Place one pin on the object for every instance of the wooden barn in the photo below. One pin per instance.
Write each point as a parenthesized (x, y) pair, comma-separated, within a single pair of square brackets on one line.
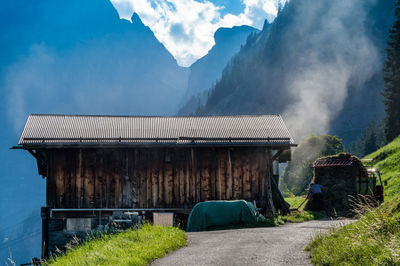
[(98, 165)]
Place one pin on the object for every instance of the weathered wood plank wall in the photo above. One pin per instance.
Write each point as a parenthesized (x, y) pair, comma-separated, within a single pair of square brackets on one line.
[(154, 178)]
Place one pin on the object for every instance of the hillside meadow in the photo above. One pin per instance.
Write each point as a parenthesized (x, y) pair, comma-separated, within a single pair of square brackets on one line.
[(375, 238)]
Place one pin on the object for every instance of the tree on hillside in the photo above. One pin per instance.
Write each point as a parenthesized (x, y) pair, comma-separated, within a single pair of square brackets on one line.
[(371, 138), (391, 77), (298, 172)]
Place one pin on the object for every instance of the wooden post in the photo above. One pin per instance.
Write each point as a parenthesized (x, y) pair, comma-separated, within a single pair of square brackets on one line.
[(79, 182), (229, 181), (192, 179), (237, 175), (127, 182), (45, 213), (270, 202)]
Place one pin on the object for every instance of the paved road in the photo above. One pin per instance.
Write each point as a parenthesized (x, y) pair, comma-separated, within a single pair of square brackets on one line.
[(282, 245)]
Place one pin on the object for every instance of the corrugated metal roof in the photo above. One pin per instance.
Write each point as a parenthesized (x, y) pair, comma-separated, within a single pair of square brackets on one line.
[(332, 162), (85, 129)]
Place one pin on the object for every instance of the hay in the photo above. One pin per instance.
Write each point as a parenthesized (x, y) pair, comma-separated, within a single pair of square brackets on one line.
[(339, 184)]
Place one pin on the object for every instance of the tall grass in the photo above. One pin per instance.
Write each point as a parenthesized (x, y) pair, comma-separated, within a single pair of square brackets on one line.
[(373, 240), (132, 247)]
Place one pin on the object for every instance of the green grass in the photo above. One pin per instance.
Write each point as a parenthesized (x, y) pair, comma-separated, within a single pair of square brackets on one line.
[(132, 247), (300, 215), (375, 238), (387, 161), (295, 202)]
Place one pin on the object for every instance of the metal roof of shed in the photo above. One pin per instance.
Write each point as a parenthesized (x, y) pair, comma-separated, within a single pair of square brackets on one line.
[(155, 130), (333, 162)]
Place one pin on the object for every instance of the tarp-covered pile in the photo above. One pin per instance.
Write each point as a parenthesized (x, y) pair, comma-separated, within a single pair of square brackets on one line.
[(218, 214)]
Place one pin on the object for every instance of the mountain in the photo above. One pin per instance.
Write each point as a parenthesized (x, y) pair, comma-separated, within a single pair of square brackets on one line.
[(205, 72), (70, 57), (318, 64), (78, 52)]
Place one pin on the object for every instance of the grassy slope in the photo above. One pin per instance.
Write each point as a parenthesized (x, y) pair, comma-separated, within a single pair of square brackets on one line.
[(132, 247), (387, 161), (375, 238)]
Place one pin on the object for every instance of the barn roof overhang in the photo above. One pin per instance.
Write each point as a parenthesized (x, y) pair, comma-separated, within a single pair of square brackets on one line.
[(88, 145), (88, 131)]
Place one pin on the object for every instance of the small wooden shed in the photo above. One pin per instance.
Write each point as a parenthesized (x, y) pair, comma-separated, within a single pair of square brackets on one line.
[(96, 165), (343, 177)]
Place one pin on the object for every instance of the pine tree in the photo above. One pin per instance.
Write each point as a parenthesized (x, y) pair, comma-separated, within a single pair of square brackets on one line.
[(391, 91), (370, 143)]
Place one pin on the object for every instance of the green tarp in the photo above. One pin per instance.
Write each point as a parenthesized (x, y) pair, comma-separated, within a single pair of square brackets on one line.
[(216, 214)]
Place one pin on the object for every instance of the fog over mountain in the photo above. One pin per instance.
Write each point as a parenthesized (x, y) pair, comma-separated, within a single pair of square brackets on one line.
[(70, 57), (320, 65), (81, 52)]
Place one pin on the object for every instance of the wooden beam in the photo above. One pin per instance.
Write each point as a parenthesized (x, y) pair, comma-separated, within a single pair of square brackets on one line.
[(276, 155), (41, 162), (269, 183)]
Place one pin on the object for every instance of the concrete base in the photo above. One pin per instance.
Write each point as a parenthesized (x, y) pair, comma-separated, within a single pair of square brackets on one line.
[(79, 224), (163, 218)]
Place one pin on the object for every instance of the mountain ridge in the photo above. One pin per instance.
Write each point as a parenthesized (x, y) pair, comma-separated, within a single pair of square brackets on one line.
[(206, 70), (70, 57), (311, 66)]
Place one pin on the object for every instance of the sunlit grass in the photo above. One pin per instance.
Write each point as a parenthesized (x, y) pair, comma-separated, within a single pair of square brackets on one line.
[(295, 202), (301, 216), (132, 247), (387, 161), (375, 238), (298, 216)]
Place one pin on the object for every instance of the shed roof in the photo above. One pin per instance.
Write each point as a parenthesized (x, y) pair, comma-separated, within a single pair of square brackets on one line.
[(329, 162), (339, 160), (41, 130)]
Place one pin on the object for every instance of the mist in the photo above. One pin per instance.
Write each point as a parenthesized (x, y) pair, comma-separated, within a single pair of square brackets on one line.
[(335, 65), (319, 64), (86, 59), (73, 57), (336, 55)]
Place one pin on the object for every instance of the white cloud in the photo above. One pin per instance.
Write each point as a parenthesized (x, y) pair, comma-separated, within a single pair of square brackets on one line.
[(186, 27)]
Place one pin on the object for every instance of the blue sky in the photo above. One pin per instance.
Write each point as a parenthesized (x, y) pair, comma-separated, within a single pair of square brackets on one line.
[(186, 27)]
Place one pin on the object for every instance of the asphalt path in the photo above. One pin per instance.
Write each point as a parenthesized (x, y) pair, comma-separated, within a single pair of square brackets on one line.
[(283, 245)]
